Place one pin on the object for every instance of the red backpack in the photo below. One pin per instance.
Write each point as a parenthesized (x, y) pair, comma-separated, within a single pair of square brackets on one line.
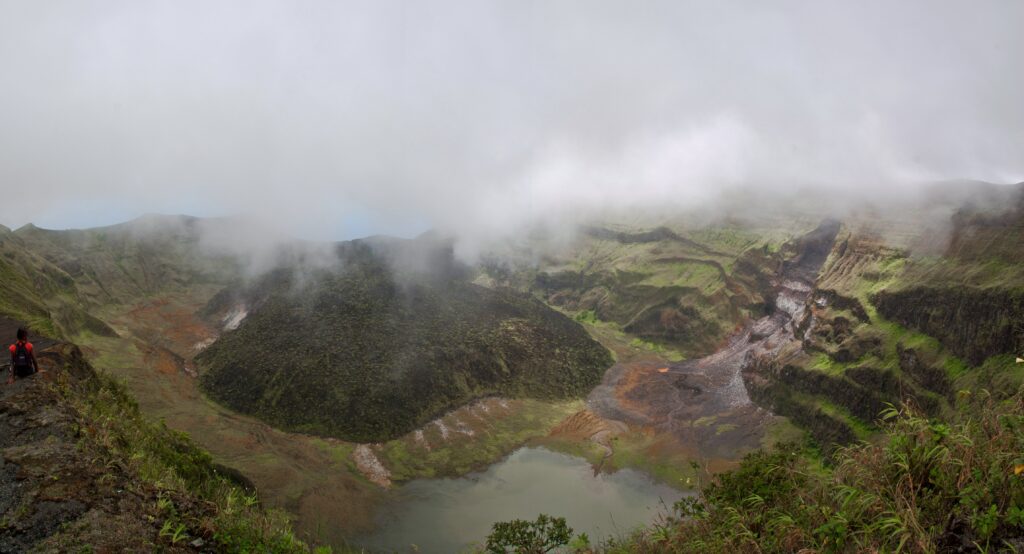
[(22, 360)]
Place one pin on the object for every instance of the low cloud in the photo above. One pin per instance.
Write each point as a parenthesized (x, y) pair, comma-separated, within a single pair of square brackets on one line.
[(338, 119)]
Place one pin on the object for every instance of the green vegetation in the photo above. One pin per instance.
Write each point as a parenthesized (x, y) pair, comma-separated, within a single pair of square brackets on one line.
[(39, 293), (927, 486), (587, 316), (890, 327), (997, 314), (195, 497), (635, 450), (368, 352), (863, 430), (703, 276), (125, 262), (999, 374), (781, 432), (435, 456), (935, 477), (731, 239), (680, 288), (375, 349), (668, 353), (823, 362), (529, 537)]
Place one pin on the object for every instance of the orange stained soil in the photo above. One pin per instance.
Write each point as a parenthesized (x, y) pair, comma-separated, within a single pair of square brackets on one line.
[(170, 324), (304, 475), (162, 360), (637, 377)]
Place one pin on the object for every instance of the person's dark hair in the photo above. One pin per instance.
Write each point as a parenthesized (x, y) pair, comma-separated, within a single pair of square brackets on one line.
[(22, 334)]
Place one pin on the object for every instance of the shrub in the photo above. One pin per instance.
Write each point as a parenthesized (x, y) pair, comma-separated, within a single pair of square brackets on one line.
[(529, 537), (926, 486)]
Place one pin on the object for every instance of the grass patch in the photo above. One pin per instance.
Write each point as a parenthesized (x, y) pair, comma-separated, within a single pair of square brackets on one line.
[(955, 367), (115, 430), (701, 276), (641, 451), (587, 316), (998, 375), (668, 353), (781, 431), (864, 431), (822, 362)]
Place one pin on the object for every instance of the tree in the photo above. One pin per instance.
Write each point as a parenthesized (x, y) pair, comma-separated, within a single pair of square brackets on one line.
[(529, 537)]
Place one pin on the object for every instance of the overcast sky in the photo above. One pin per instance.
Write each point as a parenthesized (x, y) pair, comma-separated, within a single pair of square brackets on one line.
[(347, 118)]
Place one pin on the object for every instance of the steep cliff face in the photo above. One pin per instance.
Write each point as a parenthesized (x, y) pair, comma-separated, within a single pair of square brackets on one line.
[(832, 407), (973, 323), (786, 391), (847, 361), (994, 234), (887, 325), (83, 471), (972, 298)]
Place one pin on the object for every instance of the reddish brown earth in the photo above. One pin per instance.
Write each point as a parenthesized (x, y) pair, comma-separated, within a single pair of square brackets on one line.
[(170, 325), (700, 407), (310, 477)]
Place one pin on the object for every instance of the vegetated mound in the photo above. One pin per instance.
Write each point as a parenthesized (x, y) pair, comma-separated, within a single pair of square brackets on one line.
[(385, 341)]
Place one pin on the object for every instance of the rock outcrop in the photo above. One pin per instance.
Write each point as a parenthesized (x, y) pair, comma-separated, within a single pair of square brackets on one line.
[(973, 323), (59, 492)]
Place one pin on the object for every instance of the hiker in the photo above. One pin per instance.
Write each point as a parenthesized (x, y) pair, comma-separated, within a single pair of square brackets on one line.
[(23, 360)]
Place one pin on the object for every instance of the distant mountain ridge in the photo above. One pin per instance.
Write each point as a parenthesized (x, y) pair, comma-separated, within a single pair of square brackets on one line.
[(381, 334), (385, 319)]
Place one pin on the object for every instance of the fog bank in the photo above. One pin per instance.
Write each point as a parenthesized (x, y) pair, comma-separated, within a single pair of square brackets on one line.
[(340, 119)]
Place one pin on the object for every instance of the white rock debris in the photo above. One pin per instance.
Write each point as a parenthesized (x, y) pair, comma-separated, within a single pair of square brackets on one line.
[(370, 466), (234, 318), (420, 439), (203, 344), (461, 427)]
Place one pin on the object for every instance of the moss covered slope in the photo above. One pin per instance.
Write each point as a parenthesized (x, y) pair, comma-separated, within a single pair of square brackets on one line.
[(688, 287), (372, 348)]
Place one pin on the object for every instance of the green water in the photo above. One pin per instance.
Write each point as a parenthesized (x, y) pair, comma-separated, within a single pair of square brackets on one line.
[(450, 515)]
